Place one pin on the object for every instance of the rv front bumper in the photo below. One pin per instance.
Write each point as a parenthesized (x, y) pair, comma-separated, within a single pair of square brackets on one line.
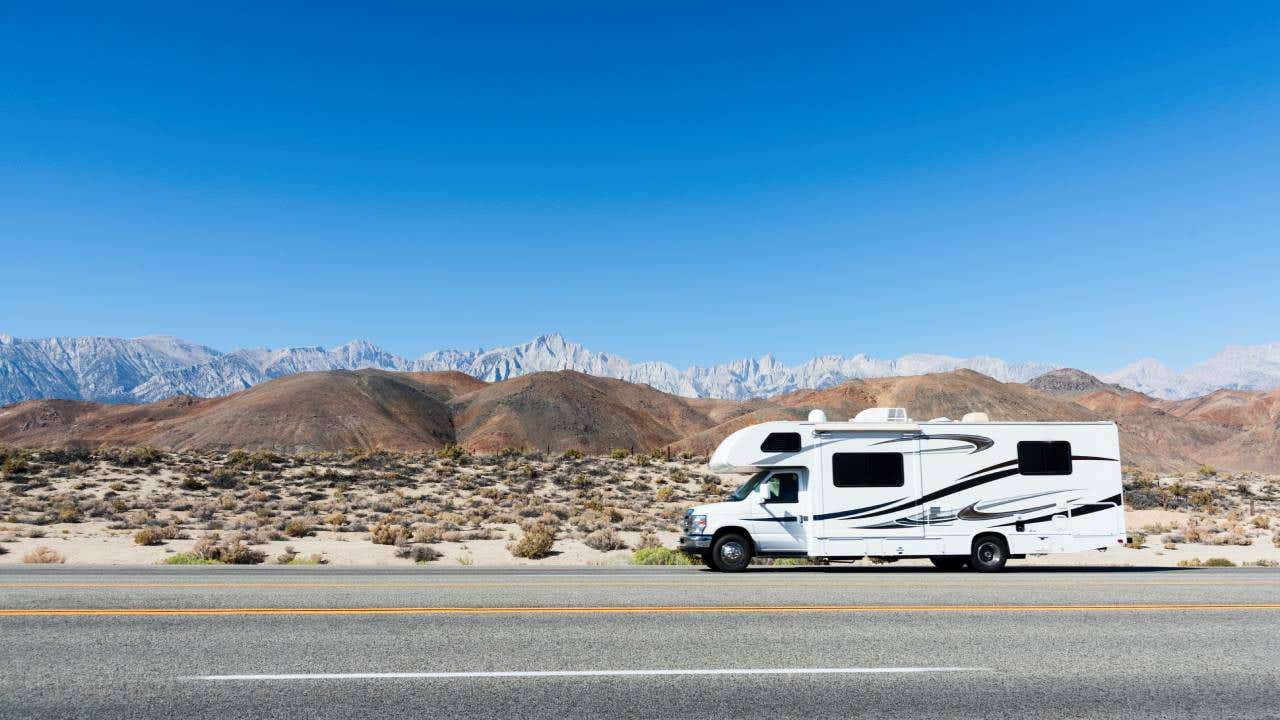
[(694, 544)]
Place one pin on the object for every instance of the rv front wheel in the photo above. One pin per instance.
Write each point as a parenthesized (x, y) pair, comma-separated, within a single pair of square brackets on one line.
[(731, 553), (989, 554)]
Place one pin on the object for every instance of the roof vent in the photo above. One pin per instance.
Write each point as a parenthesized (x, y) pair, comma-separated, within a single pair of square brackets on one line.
[(975, 417), (817, 416), (882, 415)]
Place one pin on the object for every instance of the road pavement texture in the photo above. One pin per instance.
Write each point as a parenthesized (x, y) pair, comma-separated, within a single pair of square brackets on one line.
[(683, 643)]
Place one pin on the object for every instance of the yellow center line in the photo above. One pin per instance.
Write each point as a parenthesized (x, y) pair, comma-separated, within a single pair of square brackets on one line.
[(636, 609)]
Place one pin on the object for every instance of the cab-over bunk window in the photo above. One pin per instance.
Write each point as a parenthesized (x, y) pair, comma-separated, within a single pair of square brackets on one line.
[(1044, 458), (781, 442), (867, 469)]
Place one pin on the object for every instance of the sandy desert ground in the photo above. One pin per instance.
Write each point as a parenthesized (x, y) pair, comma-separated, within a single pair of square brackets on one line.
[(452, 508)]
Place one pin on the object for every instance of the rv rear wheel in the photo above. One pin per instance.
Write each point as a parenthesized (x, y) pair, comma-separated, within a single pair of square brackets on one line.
[(731, 553), (989, 554), (949, 562)]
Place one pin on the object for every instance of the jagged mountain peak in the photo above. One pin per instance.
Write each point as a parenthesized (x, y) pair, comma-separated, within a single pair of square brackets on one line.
[(159, 366)]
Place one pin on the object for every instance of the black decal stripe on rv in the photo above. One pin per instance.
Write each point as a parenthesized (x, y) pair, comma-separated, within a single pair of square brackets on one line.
[(860, 513), (997, 466), (770, 519), (968, 512), (855, 511), (1107, 504), (978, 442), (949, 490)]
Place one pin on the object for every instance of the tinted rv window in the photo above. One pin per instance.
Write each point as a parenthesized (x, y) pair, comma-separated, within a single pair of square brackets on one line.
[(781, 442), (1044, 458), (873, 469)]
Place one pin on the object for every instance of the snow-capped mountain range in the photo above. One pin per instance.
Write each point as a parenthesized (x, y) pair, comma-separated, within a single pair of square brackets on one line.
[(1237, 367), (152, 368)]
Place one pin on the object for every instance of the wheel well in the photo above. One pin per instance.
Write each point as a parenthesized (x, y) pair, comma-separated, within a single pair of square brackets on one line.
[(998, 536), (737, 531)]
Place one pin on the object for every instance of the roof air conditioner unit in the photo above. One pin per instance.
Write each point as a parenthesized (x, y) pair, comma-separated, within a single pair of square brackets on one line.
[(882, 415)]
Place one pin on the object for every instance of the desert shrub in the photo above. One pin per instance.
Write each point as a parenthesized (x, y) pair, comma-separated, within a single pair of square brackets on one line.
[(148, 536), (664, 494), (15, 464), (456, 453), (573, 454), (1206, 471), (1235, 536), (605, 540), (1275, 538), (67, 513), (1264, 562), (1192, 532), (224, 478), (187, 558), (232, 552), (260, 460), (659, 556), (649, 540), (297, 528), (336, 519), (793, 562), (385, 533), (1136, 541), (134, 457), (535, 543), (67, 455), (1262, 522), (44, 555), (1200, 499), (418, 553), (1211, 562), (191, 483), (290, 556), (620, 454), (427, 534)]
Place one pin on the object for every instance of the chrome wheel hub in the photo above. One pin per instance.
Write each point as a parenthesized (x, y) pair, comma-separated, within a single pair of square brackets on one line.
[(731, 552)]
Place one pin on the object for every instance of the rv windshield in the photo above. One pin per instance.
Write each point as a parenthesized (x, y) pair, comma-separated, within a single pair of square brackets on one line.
[(741, 493)]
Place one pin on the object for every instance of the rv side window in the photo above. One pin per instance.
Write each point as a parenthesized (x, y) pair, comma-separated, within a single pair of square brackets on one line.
[(1044, 458), (872, 469), (781, 442)]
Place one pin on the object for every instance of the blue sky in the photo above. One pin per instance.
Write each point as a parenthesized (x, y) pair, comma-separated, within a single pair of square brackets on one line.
[(1073, 185)]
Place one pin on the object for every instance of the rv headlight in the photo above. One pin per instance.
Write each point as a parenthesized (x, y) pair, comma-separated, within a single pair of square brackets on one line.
[(697, 524)]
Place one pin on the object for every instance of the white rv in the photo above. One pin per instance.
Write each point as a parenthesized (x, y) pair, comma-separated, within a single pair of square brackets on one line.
[(969, 493)]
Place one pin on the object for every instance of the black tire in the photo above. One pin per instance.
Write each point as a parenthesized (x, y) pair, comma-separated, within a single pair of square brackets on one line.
[(706, 560), (989, 554), (949, 562), (731, 553)]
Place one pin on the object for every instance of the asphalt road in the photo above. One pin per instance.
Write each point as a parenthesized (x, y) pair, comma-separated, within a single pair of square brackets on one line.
[(637, 643)]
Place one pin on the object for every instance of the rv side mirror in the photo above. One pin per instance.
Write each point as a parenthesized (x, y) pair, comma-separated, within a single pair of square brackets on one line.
[(767, 490)]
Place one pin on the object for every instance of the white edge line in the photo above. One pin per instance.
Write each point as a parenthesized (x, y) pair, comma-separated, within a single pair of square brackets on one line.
[(580, 673)]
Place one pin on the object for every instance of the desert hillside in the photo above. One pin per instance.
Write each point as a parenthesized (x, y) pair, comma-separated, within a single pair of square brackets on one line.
[(567, 410)]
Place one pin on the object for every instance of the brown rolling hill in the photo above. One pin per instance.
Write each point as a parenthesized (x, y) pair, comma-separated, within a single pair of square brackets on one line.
[(566, 409), (557, 411)]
